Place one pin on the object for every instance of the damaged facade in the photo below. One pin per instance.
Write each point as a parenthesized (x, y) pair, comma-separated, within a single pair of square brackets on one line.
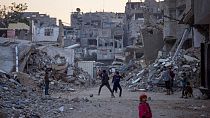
[(142, 25), (99, 33), (186, 39), (174, 32), (43, 27), (201, 21), (134, 20)]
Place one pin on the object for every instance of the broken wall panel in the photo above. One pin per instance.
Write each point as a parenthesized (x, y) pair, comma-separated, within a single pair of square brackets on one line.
[(208, 65), (7, 54)]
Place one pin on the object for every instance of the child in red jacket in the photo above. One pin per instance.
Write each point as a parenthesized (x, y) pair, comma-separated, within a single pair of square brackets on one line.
[(144, 108)]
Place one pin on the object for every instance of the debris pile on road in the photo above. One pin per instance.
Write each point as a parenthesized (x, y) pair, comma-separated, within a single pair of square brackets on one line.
[(187, 61), (22, 93), (40, 60), (81, 77), (20, 100)]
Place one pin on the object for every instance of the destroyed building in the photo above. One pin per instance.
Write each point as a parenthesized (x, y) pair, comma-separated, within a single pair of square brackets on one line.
[(39, 27), (173, 30), (134, 19), (190, 47), (200, 11), (98, 31), (142, 26), (43, 27)]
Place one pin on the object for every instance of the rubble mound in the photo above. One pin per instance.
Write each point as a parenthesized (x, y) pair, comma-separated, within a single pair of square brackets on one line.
[(149, 78)]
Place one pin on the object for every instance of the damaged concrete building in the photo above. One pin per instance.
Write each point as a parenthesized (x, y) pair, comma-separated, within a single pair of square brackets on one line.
[(99, 33), (141, 28), (201, 13), (173, 30), (37, 27), (43, 27), (186, 25), (134, 20)]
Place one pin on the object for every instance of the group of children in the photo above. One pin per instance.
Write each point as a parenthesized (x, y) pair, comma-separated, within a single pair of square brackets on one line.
[(144, 108), (105, 82)]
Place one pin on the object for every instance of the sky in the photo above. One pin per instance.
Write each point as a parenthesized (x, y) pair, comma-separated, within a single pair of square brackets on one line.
[(61, 9)]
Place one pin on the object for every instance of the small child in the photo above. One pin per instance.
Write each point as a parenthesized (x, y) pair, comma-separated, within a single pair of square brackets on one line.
[(144, 108)]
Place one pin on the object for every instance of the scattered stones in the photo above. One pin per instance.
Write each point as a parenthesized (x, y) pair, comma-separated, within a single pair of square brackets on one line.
[(76, 99), (61, 109), (148, 79), (91, 95)]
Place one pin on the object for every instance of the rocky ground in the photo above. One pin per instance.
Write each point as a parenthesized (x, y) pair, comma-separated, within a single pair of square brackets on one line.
[(103, 106), (17, 101)]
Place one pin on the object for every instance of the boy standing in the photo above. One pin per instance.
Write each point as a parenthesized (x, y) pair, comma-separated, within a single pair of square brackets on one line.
[(105, 81), (116, 81)]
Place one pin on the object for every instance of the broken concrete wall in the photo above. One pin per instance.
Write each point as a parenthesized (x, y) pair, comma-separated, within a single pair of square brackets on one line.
[(153, 42), (88, 66), (7, 60), (7, 55), (53, 51)]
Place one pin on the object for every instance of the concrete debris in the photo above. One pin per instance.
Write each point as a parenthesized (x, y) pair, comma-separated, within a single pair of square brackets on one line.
[(71, 108), (61, 109), (197, 107), (76, 99), (189, 58), (21, 93), (205, 116), (91, 95), (18, 101), (149, 77), (43, 58), (7, 55)]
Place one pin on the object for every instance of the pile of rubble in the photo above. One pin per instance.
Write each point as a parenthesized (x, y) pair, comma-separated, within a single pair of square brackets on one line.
[(81, 77), (23, 95), (187, 61), (20, 101), (40, 60)]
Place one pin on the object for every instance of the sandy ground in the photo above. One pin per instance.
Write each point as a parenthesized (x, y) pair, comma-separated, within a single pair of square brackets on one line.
[(103, 106)]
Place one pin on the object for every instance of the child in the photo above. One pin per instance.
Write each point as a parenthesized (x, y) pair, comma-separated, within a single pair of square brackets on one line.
[(184, 83), (144, 108), (116, 81)]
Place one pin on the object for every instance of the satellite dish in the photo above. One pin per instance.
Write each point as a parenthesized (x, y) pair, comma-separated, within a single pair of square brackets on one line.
[(78, 10)]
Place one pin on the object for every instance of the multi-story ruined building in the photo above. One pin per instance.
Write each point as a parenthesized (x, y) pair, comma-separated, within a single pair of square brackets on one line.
[(40, 19), (43, 27), (142, 35), (197, 15), (99, 32), (135, 18), (173, 30)]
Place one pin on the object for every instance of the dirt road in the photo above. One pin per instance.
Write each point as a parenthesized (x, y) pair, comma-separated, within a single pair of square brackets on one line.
[(103, 106)]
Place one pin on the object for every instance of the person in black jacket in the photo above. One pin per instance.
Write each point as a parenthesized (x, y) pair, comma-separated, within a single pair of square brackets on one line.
[(172, 79), (47, 82), (116, 81), (105, 81)]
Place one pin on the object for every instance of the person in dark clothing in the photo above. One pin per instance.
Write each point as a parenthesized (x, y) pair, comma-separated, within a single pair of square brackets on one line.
[(105, 81), (184, 83), (166, 77), (116, 81), (47, 82), (172, 79)]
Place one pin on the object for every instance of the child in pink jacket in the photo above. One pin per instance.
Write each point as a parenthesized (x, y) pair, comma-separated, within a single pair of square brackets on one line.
[(144, 108)]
